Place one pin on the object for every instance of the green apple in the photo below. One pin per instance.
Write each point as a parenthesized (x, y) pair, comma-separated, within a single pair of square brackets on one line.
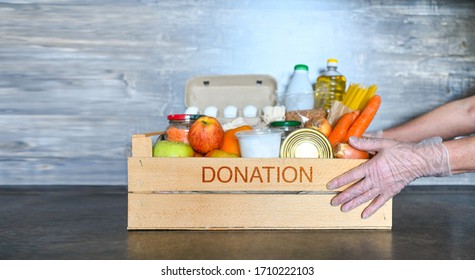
[(167, 148)]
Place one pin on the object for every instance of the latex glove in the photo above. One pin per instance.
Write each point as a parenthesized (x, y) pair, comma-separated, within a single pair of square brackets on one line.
[(373, 134), (394, 166)]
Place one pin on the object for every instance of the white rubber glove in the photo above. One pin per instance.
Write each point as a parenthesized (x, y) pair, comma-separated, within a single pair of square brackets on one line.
[(373, 134), (394, 166)]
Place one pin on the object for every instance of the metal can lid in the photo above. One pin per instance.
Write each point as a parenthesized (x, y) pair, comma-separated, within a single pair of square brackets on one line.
[(306, 143), (285, 123), (183, 117)]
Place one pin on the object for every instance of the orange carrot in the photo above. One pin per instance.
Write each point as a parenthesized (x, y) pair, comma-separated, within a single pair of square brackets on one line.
[(340, 130), (177, 134), (364, 119)]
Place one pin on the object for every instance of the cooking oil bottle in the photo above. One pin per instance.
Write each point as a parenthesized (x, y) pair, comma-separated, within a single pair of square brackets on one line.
[(330, 86)]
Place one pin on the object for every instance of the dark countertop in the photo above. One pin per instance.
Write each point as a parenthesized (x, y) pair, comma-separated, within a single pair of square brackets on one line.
[(89, 222)]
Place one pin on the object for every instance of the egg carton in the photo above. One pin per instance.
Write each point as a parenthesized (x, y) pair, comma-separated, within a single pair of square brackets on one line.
[(228, 97)]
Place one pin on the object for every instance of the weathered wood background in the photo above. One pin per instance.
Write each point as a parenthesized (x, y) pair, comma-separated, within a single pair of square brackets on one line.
[(78, 78)]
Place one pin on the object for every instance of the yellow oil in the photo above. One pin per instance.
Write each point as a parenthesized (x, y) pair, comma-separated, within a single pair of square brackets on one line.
[(328, 89)]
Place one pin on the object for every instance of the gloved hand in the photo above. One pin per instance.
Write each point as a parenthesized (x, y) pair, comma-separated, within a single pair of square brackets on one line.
[(373, 134), (394, 166)]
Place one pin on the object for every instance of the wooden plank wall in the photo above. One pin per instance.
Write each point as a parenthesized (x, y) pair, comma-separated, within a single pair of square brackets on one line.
[(78, 78)]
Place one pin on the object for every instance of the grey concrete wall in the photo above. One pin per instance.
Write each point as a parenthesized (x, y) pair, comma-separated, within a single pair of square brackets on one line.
[(78, 78)]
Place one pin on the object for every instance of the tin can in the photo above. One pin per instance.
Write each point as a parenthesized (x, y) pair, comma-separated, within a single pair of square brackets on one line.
[(306, 143)]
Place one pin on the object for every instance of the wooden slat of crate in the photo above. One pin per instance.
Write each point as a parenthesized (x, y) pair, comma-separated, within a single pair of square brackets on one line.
[(247, 211), (233, 174)]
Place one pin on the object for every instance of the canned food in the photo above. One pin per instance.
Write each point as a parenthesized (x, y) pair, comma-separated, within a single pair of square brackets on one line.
[(306, 143)]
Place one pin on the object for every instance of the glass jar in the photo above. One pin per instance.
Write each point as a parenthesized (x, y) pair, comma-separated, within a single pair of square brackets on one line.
[(178, 127), (287, 127)]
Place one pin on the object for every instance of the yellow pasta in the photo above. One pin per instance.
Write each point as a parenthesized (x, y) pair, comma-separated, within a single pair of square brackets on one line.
[(357, 96)]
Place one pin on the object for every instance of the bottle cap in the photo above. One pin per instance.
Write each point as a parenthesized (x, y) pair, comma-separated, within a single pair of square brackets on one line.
[(332, 62), (301, 67)]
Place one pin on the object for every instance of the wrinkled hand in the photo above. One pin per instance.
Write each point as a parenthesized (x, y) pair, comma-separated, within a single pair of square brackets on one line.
[(394, 166)]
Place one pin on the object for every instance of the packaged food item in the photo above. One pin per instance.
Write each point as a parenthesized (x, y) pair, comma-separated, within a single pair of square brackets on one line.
[(305, 115), (287, 127), (306, 143), (357, 96), (299, 93), (330, 86), (259, 143), (178, 126)]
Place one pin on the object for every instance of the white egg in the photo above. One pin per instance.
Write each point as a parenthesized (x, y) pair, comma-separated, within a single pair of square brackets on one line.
[(211, 111), (192, 110), (230, 112), (250, 111)]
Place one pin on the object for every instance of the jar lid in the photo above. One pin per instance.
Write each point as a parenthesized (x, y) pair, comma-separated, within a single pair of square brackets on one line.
[(301, 67), (285, 123), (183, 117), (259, 133)]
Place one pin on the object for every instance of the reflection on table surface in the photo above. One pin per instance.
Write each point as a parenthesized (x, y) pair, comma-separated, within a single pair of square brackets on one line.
[(74, 222)]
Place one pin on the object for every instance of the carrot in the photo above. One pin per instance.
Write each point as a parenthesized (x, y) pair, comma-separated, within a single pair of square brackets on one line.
[(364, 119), (340, 130), (177, 134)]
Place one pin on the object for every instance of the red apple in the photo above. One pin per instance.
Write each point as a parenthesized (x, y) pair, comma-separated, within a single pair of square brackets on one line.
[(205, 134)]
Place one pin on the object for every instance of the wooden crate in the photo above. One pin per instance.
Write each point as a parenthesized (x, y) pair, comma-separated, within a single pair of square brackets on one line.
[(237, 193)]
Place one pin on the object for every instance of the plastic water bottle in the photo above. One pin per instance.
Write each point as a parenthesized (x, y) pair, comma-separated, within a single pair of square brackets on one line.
[(299, 94), (330, 86)]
